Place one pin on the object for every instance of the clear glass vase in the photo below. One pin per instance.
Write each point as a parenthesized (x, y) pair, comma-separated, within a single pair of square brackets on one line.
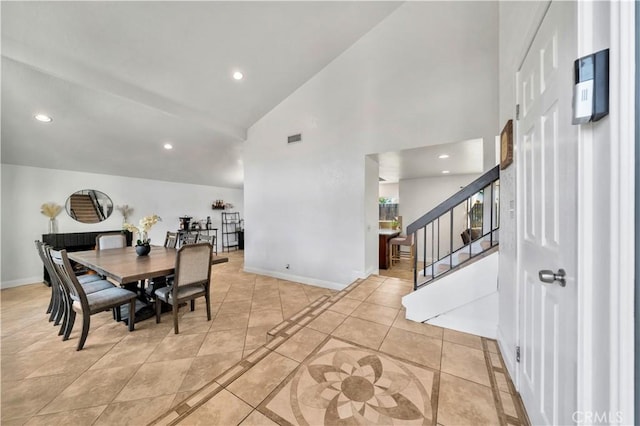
[(53, 226)]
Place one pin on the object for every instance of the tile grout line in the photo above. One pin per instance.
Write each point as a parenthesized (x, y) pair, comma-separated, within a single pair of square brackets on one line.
[(309, 312), (70, 384), (244, 368), (318, 308), (495, 391), (523, 417)]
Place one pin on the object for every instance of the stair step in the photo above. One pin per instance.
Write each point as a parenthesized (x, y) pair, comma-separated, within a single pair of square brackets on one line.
[(424, 280), (443, 268), (83, 209), (485, 244)]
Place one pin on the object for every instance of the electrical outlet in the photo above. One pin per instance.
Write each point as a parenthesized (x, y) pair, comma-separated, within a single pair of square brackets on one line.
[(287, 266)]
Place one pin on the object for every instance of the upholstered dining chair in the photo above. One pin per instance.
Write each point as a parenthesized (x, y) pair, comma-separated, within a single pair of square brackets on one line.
[(92, 303), (204, 238), (110, 241), (192, 280), (189, 238), (171, 240), (211, 239)]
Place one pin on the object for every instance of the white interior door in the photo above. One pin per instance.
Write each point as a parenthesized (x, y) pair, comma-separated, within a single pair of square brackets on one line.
[(547, 184)]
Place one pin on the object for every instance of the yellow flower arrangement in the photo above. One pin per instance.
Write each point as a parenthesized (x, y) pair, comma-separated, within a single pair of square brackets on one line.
[(145, 225)]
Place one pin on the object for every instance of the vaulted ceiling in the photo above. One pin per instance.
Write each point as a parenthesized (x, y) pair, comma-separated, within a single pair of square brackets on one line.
[(121, 79)]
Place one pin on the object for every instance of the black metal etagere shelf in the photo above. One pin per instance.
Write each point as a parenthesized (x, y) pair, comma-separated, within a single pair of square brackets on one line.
[(230, 230)]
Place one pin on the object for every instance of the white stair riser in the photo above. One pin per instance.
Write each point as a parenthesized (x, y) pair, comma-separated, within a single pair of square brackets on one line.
[(479, 317), (470, 283)]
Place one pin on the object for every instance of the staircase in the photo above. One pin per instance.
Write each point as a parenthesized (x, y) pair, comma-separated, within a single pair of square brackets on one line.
[(84, 208), (460, 228), (456, 266)]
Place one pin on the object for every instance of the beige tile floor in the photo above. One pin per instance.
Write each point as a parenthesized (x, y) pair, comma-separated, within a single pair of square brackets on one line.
[(347, 355)]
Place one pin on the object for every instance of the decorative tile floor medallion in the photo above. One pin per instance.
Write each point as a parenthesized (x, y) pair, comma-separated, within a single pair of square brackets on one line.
[(341, 383)]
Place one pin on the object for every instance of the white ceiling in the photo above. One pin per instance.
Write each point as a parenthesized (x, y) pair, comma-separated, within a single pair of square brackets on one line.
[(465, 157), (122, 78)]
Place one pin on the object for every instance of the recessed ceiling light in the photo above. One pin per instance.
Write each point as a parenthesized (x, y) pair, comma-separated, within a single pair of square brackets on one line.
[(443, 156), (43, 117), (445, 172), (168, 146), (238, 75)]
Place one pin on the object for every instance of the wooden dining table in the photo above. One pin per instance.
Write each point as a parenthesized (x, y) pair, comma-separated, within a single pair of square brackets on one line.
[(124, 266), (128, 269)]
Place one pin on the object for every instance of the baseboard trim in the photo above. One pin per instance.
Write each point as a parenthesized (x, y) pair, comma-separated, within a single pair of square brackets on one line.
[(371, 271), (508, 355), (20, 282), (296, 278)]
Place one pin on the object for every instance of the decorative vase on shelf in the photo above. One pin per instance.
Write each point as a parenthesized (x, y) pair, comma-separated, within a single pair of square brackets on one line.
[(143, 250), (53, 226)]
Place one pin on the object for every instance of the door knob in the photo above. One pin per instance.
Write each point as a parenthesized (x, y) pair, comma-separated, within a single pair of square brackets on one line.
[(549, 277)]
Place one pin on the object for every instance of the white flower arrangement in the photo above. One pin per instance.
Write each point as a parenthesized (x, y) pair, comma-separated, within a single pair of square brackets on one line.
[(50, 210), (145, 225)]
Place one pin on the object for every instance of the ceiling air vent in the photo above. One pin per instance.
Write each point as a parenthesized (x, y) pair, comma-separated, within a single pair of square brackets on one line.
[(294, 138)]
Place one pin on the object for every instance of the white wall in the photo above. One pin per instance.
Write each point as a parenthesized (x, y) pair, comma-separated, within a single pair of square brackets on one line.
[(425, 75), (389, 190), (25, 189), (421, 195), (372, 215)]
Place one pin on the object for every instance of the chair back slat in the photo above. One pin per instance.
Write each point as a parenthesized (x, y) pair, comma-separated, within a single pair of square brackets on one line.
[(43, 251), (193, 264), (67, 277)]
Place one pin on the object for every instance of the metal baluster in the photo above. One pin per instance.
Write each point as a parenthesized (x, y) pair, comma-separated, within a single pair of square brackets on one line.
[(438, 248), (451, 238), (484, 192), (491, 222), (469, 228), (415, 260), (498, 210), (433, 250)]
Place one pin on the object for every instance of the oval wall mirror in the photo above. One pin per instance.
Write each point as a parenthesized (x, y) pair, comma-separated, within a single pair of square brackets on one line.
[(89, 206)]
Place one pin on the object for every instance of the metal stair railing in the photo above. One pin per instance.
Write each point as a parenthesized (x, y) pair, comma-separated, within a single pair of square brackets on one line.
[(464, 211), (96, 205)]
